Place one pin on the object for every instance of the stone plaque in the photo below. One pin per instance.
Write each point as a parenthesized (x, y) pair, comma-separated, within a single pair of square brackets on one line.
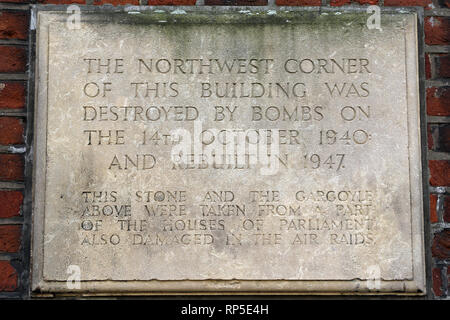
[(227, 151)]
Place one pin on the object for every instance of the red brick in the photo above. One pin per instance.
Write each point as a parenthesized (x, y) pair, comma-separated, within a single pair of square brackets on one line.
[(116, 2), (62, 1), (437, 282), (439, 172), (13, 59), (372, 2), (10, 203), (443, 138), (430, 138), (427, 66), (439, 137), (12, 95), (13, 25), (446, 214), (172, 2), (236, 2), (438, 101), (433, 212), (437, 30), (11, 167), (442, 64), (448, 274), (8, 277), (298, 2), (407, 3), (441, 245), (337, 3), (445, 208), (11, 130), (9, 238)]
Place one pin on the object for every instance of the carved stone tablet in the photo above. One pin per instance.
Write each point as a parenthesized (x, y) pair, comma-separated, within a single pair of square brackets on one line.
[(226, 151)]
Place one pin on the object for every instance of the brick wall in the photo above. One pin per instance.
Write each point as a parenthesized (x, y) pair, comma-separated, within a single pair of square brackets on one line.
[(14, 255), (16, 120)]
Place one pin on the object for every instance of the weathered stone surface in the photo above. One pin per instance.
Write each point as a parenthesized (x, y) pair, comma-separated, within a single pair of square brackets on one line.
[(339, 205)]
